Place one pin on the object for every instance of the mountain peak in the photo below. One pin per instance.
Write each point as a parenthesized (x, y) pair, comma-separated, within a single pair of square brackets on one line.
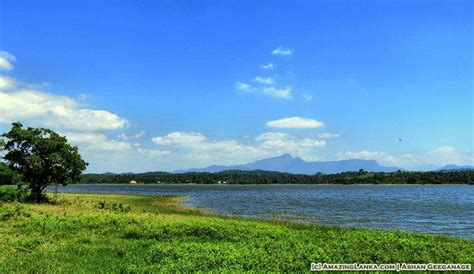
[(285, 156), (296, 165), (455, 168)]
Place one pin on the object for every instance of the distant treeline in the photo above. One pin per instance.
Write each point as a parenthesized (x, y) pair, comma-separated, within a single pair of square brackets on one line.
[(270, 177)]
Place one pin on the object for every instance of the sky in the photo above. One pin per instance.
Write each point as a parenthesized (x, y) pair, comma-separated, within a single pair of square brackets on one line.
[(165, 85)]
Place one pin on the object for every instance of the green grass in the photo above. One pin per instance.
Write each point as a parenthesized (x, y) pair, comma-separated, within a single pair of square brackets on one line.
[(112, 233)]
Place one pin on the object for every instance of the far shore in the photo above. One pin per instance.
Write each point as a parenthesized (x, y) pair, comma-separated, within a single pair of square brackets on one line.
[(214, 184)]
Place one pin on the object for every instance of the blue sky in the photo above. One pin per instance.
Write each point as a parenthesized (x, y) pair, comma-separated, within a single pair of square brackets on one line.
[(139, 85)]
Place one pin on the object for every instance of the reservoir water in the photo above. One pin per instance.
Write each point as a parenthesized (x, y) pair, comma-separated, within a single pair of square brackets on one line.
[(440, 209)]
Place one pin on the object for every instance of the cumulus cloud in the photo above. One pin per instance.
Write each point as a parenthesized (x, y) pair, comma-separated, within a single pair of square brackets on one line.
[(138, 135), (272, 140), (123, 136), (7, 83), (267, 66), (180, 139), (47, 109), (282, 51), (295, 122), (96, 141), (153, 153), (328, 135), (283, 93), (436, 157), (449, 155), (197, 141), (85, 127), (197, 147), (263, 80), (307, 97), (6, 60), (244, 87), (368, 155), (55, 111)]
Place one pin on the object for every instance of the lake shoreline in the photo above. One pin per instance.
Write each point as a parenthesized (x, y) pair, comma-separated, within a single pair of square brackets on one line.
[(139, 233), (215, 184), (438, 209)]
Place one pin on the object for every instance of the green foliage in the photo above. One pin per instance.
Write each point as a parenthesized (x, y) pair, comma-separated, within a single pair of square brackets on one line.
[(42, 157), (8, 176), (157, 236), (8, 194), (116, 207), (271, 177)]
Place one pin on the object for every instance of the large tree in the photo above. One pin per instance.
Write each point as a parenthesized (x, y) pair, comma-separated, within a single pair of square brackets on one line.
[(42, 157), (8, 176)]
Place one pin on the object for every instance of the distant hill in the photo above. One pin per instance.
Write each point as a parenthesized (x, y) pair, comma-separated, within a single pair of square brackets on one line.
[(296, 165), (455, 168)]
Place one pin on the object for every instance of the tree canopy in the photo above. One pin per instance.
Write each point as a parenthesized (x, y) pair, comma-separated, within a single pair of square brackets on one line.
[(42, 157), (8, 176), (271, 177)]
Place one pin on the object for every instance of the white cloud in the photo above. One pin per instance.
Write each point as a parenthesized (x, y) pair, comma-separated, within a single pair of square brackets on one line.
[(197, 147), (50, 110), (295, 122), (123, 136), (282, 51), (278, 143), (448, 155), (272, 140), (328, 135), (443, 151), (244, 87), (55, 111), (193, 146), (6, 60), (153, 153), (263, 80), (436, 157), (267, 66), (284, 93), (307, 97), (368, 155), (85, 127), (7, 83), (138, 135), (197, 141), (180, 139), (96, 141)]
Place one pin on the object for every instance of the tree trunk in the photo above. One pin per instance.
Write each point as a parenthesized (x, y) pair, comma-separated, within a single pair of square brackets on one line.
[(37, 193), (38, 196)]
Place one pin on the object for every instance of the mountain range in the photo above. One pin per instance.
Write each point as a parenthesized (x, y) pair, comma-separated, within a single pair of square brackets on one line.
[(455, 168), (296, 165)]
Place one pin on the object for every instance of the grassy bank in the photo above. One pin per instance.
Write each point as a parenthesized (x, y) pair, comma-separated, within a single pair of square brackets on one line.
[(88, 232)]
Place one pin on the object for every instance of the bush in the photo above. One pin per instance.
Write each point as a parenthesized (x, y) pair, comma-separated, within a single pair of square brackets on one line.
[(115, 207), (8, 194)]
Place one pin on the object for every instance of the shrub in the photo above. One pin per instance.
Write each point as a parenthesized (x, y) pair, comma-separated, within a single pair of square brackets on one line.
[(115, 207), (8, 194)]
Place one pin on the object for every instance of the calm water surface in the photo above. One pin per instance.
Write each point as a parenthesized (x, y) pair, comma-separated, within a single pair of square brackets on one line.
[(442, 209)]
